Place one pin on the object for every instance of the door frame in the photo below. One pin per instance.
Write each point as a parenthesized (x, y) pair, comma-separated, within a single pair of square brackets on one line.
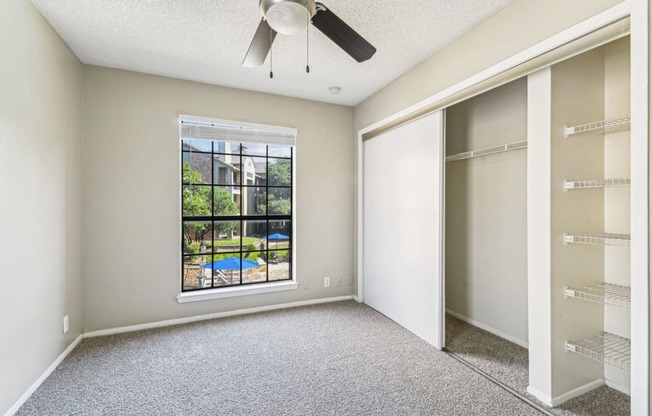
[(638, 11)]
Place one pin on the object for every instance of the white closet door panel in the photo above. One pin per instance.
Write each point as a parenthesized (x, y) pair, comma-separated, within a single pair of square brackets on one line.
[(403, 226)]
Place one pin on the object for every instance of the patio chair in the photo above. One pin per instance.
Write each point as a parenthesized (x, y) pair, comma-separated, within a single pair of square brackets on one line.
[(220, 275)]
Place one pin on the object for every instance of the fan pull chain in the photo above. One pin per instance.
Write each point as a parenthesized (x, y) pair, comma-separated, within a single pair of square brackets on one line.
[(308, 43), (271, 54)]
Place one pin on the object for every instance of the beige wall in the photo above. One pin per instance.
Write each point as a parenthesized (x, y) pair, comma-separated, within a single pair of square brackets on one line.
[(131, 193), (40, 207)]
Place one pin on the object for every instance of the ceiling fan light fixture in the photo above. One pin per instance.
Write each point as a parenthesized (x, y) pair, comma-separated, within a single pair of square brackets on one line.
[(295, 16), (287, 17)]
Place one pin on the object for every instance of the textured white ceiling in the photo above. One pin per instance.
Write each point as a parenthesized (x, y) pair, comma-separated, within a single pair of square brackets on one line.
[(206, 40)]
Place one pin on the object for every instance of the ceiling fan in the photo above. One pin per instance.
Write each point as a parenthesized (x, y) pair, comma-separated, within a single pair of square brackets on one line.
[(290, 17)]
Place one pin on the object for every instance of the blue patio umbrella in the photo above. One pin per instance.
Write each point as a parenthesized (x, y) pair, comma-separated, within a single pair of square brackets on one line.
[(277, 237), (230, 263)]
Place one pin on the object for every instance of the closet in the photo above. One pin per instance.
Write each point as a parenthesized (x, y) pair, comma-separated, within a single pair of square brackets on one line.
[(537, 222), (486, 222), (538, 246)]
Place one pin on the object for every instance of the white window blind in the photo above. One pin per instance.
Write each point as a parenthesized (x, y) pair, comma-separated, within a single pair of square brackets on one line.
[(200, 128)]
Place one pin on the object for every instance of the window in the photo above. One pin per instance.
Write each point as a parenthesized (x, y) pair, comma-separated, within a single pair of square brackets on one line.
[(236, 204)]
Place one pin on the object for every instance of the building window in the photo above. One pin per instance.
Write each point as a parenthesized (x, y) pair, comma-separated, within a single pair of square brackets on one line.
[(236, 204)]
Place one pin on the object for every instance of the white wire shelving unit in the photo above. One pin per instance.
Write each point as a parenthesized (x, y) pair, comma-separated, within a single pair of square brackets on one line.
[(603, 126), (606, 348), (522, 144), (604, 293), (596, 183), (604, 239)]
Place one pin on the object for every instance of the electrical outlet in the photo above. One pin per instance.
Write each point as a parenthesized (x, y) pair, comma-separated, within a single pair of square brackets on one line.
[(306, 284), (338, 281), (66, 324), (327, 281)]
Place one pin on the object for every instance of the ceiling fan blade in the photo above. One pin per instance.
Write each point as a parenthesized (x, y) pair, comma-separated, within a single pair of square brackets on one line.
[(342, 34), (260, 45)]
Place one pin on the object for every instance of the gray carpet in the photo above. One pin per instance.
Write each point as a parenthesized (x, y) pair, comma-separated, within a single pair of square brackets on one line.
[(508, 363), (334, 359)]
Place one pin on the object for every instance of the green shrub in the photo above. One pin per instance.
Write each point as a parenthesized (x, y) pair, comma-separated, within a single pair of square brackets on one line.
[(193, 247)]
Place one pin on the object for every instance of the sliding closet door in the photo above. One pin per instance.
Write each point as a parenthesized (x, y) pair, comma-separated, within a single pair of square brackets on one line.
[(402, 246)]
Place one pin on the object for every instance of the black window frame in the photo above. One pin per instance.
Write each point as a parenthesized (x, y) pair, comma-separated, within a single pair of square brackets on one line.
[(241, 218)]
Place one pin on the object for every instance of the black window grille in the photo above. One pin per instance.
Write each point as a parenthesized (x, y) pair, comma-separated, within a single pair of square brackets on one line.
[(236, 213)]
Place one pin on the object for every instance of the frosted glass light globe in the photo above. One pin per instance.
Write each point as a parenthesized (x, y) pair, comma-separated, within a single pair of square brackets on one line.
[(287, 18)]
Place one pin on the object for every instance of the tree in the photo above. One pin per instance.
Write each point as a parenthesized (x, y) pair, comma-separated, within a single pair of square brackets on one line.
[(278, 206), (278, 199), (280, 173), (196, 199), (196, 202), (279, 202), (191, 175), (223, 205)]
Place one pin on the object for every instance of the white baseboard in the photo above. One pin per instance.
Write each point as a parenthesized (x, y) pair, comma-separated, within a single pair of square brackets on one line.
[(13, 409), (556, 401), (543, 398), (623, 388), (357, 299), (489, 329), (169, 322)]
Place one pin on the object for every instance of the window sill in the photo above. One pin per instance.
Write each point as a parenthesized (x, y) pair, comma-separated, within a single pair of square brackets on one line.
[(231, 292)]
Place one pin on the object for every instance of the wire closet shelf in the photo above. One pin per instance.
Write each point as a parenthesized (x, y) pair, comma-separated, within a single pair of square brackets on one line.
[(604, 293), (612, 240), (600, 127), (522, 144), (606, 348), (596, 183)]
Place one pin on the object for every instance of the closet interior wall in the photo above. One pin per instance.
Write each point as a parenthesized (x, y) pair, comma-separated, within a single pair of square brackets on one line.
[(486, 224)]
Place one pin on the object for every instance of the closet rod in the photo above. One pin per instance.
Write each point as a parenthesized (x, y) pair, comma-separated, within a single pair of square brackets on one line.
[(488, 151)]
